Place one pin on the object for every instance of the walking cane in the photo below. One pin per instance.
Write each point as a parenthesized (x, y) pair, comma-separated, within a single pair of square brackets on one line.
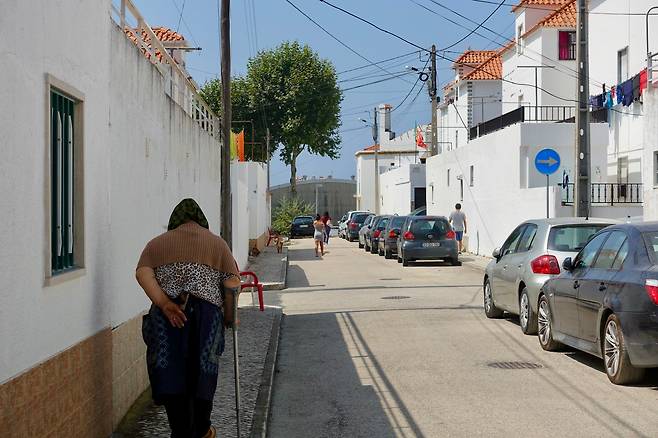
[(236, 367)]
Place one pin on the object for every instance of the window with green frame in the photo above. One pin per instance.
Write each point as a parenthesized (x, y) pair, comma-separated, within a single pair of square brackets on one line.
[(61, 181)]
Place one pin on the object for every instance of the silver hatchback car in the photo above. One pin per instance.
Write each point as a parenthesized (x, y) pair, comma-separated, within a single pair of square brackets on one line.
[(532, 254)]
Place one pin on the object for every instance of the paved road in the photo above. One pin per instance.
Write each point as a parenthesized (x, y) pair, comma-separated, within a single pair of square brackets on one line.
[(356, 362)]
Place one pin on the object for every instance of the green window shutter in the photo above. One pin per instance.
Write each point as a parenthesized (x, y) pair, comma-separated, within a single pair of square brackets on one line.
[(62, 182)]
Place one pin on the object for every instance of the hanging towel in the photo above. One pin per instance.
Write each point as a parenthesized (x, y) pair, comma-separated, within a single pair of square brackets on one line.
[(643, 80), (627, 91), (608, 100), (613, 91), (636, 87), (620, 93)]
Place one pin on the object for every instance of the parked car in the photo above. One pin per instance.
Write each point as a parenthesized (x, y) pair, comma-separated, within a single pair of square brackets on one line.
[(427, 238), (365, 229), (388, 243), (302, 226), (420, 211), (376, 231), (355, 224), (531, 255), (605, 302), (342, 225)]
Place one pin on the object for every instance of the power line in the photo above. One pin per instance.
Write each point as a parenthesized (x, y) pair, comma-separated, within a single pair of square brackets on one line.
[(180, 17), (378, 62), (337, 39), (374, 25), (478, 26), (412, 88), (374, 82), (185, 22)]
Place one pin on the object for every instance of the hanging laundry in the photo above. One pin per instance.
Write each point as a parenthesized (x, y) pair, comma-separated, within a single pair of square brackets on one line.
[(608, 100), (636, 87), (643, 80), (620, 93), (613, 90), (627, 91)]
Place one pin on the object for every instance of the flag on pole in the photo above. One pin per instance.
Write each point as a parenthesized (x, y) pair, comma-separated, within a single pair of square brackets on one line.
[(420, 140), (240, 145), (234, 146)]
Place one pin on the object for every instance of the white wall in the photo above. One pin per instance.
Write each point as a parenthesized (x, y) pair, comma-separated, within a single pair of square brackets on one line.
[(397, 188), (506, 188), (259, 208), (142, 154), (649, 158), (240, 212)]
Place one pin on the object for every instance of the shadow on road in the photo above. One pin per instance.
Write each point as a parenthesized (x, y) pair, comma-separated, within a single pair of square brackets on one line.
[(330, 384)]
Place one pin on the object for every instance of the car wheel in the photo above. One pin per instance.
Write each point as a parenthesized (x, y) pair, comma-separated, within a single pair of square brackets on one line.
[(454, 261), (373, 250), (544, 326), (380, 252), (490, 308), (527, 318), (618, 365), (387, 254)]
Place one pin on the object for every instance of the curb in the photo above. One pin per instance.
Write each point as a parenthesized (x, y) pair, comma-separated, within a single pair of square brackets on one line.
[(283, 276), (263, 401)]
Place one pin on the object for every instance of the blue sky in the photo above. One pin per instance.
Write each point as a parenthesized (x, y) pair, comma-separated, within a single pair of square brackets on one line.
[(276, 21)]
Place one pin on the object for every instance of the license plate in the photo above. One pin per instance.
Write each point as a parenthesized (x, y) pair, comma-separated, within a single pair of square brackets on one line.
[(431, 244), (303, 226)]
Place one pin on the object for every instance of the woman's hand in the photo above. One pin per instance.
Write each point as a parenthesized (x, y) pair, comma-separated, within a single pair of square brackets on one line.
[(174, 313)]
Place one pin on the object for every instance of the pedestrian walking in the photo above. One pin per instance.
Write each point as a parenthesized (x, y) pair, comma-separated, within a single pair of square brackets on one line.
[(326, 220), (318, 235), (191, 277), (458, 222)]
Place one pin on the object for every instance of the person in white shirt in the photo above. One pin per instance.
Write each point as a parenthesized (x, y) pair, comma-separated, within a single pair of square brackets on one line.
[(458, 222)]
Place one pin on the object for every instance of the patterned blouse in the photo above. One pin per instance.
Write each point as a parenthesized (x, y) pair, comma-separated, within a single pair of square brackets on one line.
[(199, 280)]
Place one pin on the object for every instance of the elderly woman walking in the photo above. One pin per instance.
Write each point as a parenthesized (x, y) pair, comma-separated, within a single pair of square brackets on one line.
[(190, 276)]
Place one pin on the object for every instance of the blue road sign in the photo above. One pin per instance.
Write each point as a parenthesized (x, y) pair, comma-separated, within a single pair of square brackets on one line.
[(547, 161)]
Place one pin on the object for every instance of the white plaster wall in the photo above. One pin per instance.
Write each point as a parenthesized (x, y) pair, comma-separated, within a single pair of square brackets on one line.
[(240, 212), (506, 188), (490, 106), (38, 322), (397, 188), (650, 149), (259, 214)]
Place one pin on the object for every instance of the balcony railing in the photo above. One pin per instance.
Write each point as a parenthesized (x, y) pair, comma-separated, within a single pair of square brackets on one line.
[(500, 122), (548, 113), (606, 193)]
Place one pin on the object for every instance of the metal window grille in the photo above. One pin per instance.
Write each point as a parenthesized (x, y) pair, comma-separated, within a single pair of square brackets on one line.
[(61, 128)]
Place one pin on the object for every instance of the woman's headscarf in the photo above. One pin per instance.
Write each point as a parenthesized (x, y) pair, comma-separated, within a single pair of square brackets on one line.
[(187, 210)]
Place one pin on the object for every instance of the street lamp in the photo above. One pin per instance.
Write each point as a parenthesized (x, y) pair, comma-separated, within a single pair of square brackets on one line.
[(317, 186)]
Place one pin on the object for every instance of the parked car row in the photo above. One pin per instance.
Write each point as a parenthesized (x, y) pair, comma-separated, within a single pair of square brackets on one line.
[(407, 238), (590, 284)]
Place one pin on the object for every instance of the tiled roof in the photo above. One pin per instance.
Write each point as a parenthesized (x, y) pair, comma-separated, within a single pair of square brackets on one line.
[(548, 4), (162, 33), (374, 147), (491, 69), (474, 57), (563, 17)]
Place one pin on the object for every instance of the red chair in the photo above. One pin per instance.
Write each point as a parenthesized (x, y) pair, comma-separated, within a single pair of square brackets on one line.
[(271, 235), (254, 283)]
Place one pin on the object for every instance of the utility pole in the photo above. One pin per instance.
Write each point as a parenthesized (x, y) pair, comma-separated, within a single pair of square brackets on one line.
[(267, 145), (582, 153), (374, 137), (226, 210), (432, 90)]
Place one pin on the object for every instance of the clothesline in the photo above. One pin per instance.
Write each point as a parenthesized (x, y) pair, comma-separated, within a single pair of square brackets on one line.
[(625, 93)]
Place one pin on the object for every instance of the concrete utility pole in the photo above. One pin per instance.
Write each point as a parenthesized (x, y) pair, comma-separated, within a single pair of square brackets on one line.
[(374, 137), (432, 90), (267, 145), (226, 210), (582, 153)]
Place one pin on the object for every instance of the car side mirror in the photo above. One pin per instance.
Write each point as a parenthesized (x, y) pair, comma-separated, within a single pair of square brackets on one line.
[(567, 264), (496, 253)]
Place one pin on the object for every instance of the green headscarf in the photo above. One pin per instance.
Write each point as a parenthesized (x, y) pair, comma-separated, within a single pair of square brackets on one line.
[(187, 210)]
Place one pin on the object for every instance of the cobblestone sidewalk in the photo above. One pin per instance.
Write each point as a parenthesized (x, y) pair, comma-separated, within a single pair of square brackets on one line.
[(253, 341)]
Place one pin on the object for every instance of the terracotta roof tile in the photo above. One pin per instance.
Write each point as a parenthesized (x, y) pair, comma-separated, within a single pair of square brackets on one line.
[(561, 18), (548, 4), (372, 148), (474, 57), (162, 33), (492, 69)]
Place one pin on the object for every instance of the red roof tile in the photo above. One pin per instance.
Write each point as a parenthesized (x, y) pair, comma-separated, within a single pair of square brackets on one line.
[(372, 148), (474, 57), (543, 4), (162, 33), (489, 70), (563, 17)]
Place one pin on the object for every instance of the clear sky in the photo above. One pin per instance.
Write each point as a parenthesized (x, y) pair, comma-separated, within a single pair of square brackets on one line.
[(263, 24)]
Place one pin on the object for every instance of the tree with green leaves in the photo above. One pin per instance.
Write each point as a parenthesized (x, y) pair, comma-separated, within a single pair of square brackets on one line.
[(284, 213), (294, 92)]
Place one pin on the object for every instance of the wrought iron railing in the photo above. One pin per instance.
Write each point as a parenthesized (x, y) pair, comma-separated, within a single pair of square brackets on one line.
[(606, 193), (552, 113), (500, 122)]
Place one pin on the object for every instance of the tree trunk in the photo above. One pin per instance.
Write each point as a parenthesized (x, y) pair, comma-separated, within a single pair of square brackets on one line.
[(293, 177)]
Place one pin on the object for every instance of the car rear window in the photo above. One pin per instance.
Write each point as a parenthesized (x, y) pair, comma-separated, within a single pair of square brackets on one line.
[(382, 223), (397, 221), (572, 238), (360, 218), (302, 220), (436, 226), (651, 240)]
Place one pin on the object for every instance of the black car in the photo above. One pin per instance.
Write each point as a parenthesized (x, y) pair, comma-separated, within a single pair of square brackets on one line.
[(388, 243), (427, 238), (605, 302), (376, 231), (355, 224), (302, 226)]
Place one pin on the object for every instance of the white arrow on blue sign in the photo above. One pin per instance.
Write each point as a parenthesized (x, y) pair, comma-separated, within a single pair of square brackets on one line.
[(547, 161)]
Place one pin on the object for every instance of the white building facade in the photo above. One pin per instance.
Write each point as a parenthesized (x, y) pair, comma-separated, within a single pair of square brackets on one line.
[(403, 189)]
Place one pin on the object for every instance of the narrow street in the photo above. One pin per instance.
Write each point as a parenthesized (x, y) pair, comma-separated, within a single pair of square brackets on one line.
[(372, 349)]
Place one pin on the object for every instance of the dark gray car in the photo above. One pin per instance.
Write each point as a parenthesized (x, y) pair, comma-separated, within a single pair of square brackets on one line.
[(388, 244), (375, 233), (427, 238), (605, 302)]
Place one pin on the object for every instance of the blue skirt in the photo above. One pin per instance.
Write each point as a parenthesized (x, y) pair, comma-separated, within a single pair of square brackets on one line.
[(184, 361)]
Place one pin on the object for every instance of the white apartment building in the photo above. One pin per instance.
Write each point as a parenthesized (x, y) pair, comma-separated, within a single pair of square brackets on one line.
[(392, 151), (403, 189)]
